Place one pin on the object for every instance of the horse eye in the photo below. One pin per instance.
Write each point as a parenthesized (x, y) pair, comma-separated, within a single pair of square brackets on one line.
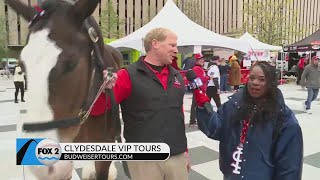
[(58, 71), (69, 66)]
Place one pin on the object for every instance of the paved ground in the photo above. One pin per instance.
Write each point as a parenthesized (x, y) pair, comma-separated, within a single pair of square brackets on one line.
[(203, 151)]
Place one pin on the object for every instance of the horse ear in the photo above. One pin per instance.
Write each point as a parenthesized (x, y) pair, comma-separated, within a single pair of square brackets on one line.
[(83, 9), (24, 10)]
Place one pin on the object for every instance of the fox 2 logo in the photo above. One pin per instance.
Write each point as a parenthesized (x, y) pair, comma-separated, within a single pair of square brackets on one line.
[(38, 151)]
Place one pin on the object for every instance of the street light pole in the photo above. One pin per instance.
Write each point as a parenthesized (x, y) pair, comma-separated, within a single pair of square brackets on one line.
[(182, 9), (283, 60)]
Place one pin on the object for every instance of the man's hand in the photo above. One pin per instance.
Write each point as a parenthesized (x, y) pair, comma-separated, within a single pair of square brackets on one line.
[(218, 91), (186, 154), (111, 82)]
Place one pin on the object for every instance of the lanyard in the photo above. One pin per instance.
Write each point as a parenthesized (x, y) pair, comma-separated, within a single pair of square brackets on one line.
[(244, 131), (237, 154)]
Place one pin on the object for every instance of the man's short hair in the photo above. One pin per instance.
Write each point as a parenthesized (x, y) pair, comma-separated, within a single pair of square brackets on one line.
[(159, 34)]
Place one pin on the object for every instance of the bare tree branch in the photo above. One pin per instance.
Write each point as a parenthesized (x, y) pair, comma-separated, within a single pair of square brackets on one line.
[(269, 21)]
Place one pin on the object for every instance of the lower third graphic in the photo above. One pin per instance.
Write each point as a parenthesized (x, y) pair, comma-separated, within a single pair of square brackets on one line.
[(38, 151)]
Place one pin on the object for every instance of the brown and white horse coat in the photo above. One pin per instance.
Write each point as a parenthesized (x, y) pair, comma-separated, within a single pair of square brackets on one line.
[(60, 68)]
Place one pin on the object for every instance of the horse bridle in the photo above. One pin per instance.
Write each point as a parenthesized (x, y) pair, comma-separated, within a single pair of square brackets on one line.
[(97, 61)]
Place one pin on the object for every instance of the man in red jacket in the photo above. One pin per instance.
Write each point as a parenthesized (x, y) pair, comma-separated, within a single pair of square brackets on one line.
[(174, 64), (200, 73), (150, 93), (301, 64)]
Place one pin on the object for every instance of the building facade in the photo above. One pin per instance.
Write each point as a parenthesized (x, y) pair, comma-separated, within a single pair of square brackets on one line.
[(221, 16)]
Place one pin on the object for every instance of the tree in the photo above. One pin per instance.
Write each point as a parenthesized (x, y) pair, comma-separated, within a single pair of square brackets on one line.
[(3, 38), (191, 8), (110, 22), (269, 21)]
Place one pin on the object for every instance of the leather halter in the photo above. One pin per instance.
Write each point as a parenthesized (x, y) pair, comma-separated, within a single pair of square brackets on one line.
[(97, 63), (65, 123)]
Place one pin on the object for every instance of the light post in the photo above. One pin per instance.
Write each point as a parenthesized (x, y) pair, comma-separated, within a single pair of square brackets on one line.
[(283, 61), (182, 9)]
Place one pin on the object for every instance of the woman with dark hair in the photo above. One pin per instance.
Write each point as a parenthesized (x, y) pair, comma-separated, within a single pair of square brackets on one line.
[(259, 135)]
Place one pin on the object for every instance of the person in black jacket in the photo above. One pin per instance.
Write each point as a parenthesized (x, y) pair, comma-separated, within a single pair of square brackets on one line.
[(189, 62), (150, 93), (224, 70), (18, 79), (260, 137)]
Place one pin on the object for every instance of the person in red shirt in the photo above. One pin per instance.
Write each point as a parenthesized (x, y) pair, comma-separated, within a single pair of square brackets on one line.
[(174, 63), (150, 93), (200, 73), (301, 65)]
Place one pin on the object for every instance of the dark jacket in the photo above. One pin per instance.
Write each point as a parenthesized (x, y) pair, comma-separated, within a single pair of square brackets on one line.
[(188, 63), (259, 160), (153, 114), (224, 69)]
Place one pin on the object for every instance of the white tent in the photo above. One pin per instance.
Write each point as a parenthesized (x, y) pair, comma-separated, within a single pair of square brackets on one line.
[(189, 33), (255, 44)]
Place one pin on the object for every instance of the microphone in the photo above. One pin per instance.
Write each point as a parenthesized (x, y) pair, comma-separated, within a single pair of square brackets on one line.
[(196, 83)]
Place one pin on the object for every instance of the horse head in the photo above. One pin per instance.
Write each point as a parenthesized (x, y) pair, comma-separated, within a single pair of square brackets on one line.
[(62, 41)]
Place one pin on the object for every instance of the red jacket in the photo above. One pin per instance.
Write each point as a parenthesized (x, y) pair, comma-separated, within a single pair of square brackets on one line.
[(301, 63), (200, 73), (174, 64), (122, 89)]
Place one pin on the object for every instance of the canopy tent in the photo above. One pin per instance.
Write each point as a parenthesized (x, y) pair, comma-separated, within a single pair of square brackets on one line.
[(258, 51), (255, 44), (189, 33), (310, 43)]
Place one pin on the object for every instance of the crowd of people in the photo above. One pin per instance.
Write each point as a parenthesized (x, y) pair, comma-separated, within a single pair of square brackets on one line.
[(219, 76), (260, 137)]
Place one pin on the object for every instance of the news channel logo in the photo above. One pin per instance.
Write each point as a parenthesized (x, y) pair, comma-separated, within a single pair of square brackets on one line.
[(38, 151)]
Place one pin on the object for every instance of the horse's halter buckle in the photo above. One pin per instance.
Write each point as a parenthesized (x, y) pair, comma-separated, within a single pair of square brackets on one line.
[(93, 35), (82, 116)]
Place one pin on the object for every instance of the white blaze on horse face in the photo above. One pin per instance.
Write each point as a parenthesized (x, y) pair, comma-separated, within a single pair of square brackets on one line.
[(40, 55)]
